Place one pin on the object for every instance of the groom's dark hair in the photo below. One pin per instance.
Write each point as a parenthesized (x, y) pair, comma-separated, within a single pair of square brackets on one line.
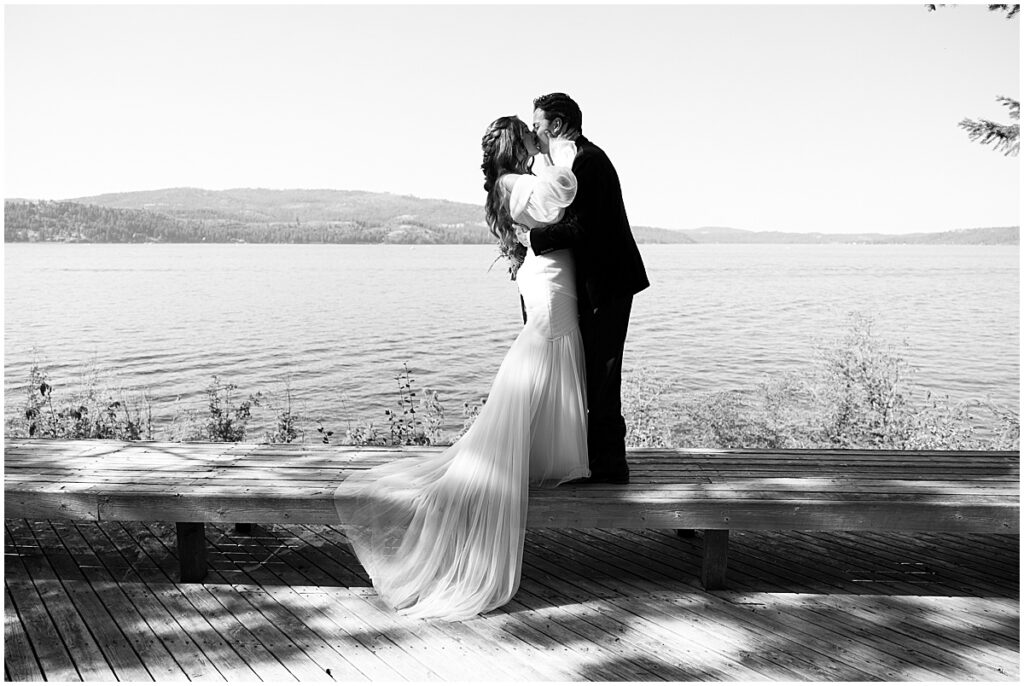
[(561, 105)]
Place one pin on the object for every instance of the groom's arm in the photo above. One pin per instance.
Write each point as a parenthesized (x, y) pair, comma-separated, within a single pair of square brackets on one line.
[(567, 232), (572, 229)]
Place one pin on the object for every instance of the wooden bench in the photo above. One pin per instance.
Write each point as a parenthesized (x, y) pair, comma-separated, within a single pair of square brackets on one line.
[(711, 490)]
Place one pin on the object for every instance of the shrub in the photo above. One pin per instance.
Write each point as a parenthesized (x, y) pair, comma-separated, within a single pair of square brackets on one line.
[(223, 422), (774, 416), (858, 393), (470, 411), (92, 410), (647, 411), (286, 429), (404, 424), (861, 386)]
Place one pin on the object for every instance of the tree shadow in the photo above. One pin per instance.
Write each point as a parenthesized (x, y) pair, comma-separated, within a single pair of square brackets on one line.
[(609, 605)]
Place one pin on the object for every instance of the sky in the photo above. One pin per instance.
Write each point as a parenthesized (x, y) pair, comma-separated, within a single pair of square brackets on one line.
[(811, 117)]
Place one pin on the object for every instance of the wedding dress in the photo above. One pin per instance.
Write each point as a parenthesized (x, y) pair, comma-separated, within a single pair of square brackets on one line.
[(442, 536)]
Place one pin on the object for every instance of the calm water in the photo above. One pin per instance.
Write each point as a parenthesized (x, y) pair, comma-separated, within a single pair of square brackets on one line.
[(337, 322)]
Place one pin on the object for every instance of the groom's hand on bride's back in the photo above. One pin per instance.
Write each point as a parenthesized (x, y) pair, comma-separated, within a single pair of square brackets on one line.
[(523, 234), (567, 232)]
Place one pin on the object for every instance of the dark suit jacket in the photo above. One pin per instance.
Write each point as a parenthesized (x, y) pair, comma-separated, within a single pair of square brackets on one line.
[(608, 263)]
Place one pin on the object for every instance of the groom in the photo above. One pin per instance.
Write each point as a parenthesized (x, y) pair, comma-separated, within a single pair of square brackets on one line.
[(609, 271)]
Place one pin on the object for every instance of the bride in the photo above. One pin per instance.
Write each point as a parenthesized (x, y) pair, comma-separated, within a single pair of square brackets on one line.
[(442, 536)]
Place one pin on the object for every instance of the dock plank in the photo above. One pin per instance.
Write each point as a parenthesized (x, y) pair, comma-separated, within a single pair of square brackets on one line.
[(855, 490), (72, 628), (628, 580), (269, 578), (608, 591), (893, 661), (830, 656), (459, 665), (324, 549), (186, 638), (330, 552), (20, 662), (111, 637), (147, 644), (593, 604)]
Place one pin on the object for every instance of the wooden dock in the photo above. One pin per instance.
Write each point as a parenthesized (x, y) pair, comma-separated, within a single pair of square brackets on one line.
[(99, 602), (716, 491)]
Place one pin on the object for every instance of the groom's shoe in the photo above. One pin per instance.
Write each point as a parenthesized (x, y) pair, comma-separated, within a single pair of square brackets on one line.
[(610, 478)]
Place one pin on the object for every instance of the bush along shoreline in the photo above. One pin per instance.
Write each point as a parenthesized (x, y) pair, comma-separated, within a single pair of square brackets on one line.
[(858, 392)]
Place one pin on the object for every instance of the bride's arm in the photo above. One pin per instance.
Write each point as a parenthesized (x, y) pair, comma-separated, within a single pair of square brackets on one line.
[(542, 198), (578, 225), (558, 231)]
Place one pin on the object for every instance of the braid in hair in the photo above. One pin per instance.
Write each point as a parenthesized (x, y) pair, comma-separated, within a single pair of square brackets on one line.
[(504, 153)]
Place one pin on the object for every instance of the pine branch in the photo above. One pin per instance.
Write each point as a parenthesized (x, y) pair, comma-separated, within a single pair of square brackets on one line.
[(1011, 10), (1013, 105), (1005, 137)]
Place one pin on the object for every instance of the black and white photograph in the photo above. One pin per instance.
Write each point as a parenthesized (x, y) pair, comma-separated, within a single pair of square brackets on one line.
[(520, 342)]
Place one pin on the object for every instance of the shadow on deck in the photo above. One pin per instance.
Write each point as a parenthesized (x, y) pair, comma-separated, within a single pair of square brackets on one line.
[(100, 602)]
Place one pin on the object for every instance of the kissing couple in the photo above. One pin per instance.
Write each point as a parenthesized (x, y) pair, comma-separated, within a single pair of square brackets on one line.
[(442, 536)]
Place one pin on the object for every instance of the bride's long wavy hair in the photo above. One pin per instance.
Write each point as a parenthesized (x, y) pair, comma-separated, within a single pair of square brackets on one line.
[(504, 153)]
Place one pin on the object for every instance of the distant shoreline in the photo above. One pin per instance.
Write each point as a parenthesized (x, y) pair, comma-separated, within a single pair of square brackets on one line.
[(188, 215), (880, 244)]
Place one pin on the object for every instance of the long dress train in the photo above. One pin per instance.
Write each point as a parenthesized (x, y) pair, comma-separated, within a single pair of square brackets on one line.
[(442, 536)]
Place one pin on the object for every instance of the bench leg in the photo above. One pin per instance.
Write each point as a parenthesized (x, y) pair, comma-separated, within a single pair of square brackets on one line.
[(243, 529), (716, 550), (192, 551), (686, 533)]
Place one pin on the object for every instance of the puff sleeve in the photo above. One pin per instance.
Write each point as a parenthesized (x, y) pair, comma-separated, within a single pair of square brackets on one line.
[(542, 197)]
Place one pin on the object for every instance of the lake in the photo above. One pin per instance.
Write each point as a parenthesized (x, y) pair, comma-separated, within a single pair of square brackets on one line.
[(337, 322)]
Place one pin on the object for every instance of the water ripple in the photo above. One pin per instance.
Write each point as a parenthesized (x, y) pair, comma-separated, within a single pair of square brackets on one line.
[(336, 323)]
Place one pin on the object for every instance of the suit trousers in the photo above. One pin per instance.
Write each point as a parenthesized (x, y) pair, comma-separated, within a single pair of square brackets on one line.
[(603, 329)]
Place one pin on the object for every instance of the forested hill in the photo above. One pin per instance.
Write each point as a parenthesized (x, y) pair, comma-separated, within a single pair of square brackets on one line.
[(192, 215), (261, 205), (253, 215), (77, 222)]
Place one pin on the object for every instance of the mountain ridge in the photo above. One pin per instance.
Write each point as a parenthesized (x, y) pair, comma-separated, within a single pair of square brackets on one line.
[(190, 214)]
